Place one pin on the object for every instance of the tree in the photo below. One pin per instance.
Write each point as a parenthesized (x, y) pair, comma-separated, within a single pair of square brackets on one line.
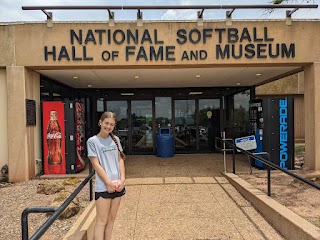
[(288, 1)]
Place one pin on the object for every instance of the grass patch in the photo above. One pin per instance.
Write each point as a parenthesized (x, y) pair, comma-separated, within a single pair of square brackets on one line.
[(299, 149)]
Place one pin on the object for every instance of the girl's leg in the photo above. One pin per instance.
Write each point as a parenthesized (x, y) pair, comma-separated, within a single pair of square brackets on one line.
[(112, 217), (102, 210)]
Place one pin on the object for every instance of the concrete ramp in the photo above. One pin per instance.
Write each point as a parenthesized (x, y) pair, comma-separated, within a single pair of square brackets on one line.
[(182, 208), (187, 197)]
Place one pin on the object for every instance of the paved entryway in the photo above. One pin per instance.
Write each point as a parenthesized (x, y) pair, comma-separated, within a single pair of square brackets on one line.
[(186, 197)]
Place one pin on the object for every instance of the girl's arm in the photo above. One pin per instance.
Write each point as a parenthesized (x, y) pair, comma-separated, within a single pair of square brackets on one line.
[(122, 174), (102, 174)]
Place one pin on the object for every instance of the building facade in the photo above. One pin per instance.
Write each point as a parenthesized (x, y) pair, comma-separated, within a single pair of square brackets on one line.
[(175, 74)]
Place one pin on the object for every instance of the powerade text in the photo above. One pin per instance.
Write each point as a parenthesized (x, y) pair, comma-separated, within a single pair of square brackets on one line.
[(283, 124)]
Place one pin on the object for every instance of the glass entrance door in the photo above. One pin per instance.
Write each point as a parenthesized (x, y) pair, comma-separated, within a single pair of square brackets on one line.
[(185, 126), (141, 127), (197, 123), (209, 123)]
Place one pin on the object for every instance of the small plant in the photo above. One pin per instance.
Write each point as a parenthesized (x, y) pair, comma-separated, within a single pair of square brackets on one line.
[(299, 149)]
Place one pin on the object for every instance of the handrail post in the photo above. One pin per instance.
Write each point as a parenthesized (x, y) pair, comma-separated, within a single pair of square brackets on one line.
[(269, 181), (25, 214), (267, 162), (224, 151), (55, 215), (24, 223), (233, 160), (90, 183)]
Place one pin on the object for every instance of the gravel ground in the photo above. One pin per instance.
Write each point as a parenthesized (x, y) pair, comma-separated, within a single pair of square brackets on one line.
[(297, 196), (16, 197)]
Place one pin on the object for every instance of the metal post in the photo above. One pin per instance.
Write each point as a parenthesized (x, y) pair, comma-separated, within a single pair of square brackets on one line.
[(233, 160), (24, 218), (269, 181), (90, 183), (224, 151)]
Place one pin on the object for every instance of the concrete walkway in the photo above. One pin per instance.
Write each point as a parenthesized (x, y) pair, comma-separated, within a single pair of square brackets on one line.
[(186, 197)]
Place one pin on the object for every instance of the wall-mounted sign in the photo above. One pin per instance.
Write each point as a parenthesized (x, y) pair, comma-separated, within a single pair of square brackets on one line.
[(246, 143), (150, 45), (31, 112)]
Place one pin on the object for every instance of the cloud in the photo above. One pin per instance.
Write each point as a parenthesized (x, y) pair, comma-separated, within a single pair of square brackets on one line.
[(179, 15)]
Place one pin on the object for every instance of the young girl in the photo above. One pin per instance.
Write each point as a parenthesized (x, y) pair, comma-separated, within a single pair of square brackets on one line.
[(107, 158)]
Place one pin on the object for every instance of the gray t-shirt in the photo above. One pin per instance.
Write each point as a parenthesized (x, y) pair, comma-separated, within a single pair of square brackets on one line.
[(107, 152)]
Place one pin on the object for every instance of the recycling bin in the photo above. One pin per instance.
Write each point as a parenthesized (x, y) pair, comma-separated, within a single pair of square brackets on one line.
[(165, 143)]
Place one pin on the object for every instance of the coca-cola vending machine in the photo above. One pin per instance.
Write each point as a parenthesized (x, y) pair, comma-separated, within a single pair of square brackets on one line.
[(54, 161), (63, 131), (75, 138)]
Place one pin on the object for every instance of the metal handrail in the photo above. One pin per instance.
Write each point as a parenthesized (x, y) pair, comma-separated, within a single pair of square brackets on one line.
[(269, 164), (56, 211)]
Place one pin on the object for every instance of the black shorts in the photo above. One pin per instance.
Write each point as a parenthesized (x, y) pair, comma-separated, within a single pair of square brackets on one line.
[(109, 195)]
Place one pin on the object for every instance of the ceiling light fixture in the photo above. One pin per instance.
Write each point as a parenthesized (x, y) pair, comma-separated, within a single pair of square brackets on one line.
[(198, 75), (195, 93), (75, 77), (238, 84), (258, 74), (136, 77), (127, 94), (89, 85)]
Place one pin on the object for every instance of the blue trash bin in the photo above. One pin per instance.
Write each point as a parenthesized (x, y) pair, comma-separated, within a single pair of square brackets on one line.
[(165, 143)]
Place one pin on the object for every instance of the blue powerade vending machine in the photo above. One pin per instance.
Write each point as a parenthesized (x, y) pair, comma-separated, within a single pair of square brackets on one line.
[(256, 120), (272, 121)]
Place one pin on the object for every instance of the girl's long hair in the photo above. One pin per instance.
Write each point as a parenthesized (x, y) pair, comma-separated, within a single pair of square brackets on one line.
[(114, 117)]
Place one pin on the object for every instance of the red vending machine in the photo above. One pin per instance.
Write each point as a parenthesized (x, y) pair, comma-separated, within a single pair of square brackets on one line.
[(63, 131), (75, 138), (54, 139), (80, 136)]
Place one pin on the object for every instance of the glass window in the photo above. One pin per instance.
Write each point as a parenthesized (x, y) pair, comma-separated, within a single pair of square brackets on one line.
[(241, 111), (100, 107), (163, 112)]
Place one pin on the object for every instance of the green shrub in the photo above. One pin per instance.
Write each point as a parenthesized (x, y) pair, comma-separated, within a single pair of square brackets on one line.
[(299, 149)]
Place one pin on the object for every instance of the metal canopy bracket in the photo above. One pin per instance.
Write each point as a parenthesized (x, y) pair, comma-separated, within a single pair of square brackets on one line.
[(111, 18), (200, 18), (111, 14), (139, 18), (49, 18), (288, 16), (200, 13), (228, 17), (139, 14), (229, 13), (289, 13)]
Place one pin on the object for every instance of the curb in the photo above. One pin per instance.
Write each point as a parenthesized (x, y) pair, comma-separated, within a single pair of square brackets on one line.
[(286, 222), (83, 228)]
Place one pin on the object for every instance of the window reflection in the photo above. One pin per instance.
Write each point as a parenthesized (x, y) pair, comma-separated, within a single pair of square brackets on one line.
[(209, 123), (185, 128), (141, 117), (237, 124), (163, 112)]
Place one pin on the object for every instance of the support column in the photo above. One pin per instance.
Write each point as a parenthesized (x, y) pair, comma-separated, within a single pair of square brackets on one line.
[(21, 138), (3, 119), (312, 115)]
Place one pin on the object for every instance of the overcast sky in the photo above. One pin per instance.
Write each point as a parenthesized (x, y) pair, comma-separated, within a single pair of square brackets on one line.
[(11, 11)]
